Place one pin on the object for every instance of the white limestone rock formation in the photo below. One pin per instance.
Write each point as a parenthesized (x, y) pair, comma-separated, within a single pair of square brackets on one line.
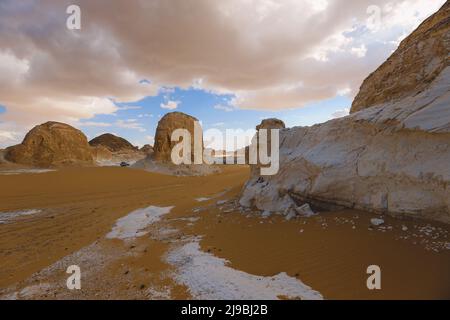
[(391, 157)]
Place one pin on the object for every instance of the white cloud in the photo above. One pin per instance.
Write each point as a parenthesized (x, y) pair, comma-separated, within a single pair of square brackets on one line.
[(130, 124), (223, 107), (12, 68), (124, 108), (341, 113), (271, 54), (171, 105), (344, 91), (8, 138), (227, 139), (146, 140), (360, 51), (10, 134), (94, 124)]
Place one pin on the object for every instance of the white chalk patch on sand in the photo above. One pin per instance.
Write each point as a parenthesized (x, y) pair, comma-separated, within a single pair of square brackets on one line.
[(6, 217), (11, 296), (167, 231), (22, 171), (159, 293), (209, 277), (33, 290), (202, 199), (133, 224), (188, 219)]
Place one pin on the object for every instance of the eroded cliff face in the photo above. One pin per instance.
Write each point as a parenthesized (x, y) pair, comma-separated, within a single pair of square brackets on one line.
[(393, 157), (418, 60)]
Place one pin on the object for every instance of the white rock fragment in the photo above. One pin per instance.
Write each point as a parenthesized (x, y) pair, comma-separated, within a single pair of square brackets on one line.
[(266, 214), (290, 215), (305, 210), (376, 221)]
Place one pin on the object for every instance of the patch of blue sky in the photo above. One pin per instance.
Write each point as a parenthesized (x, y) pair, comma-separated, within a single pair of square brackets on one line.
[(137, 121)]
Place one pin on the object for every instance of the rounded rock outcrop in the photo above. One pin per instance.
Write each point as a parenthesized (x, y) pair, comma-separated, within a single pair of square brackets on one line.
[(112, 143), (52, 144), (170, 122), (271, 123)]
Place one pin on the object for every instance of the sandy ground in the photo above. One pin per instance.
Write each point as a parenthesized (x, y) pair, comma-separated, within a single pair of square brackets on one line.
[(109, 222)]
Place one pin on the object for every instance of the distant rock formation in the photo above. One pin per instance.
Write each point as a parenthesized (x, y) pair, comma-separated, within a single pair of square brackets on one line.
[(160, 160), (168, 123), (268, 124), (271, 123), (102, 154), (112, 143), (390, 157), (417, 62), (109, 149), (147, 149), (51, 144), (2, 156)]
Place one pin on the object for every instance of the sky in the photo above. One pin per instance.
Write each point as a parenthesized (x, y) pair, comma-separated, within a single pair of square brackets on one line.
[(228, 63)]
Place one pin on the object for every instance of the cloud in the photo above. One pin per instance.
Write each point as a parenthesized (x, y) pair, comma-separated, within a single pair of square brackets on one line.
[(145, 115), (170, 105), (124, 108), (223, 107), (6, 137), (268, 54), (94, 124), (146, 140), (341, 113), (227, 139), (130, 124), (360, 51)]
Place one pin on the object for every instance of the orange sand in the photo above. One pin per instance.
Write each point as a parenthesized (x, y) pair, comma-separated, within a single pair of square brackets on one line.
[(81, 205)]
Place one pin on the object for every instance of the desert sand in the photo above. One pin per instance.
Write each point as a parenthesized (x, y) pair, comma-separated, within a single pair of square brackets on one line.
[(192, 240)]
